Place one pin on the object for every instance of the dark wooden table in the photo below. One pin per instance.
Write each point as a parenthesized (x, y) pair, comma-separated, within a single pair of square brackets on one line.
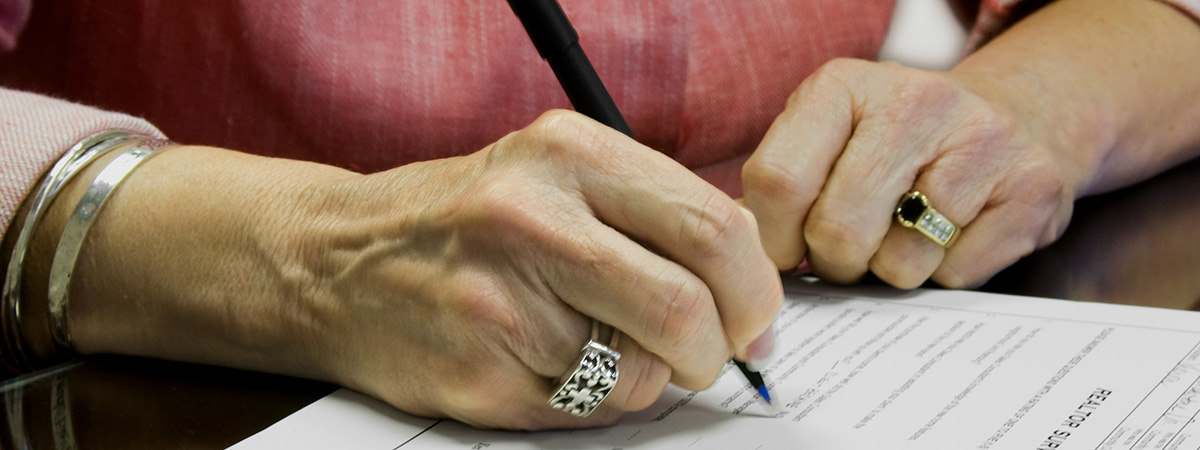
[(1139, 246), (129, 403)]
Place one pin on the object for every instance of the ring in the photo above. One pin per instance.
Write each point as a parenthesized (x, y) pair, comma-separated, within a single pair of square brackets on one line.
[(595, 373), (914, 211)]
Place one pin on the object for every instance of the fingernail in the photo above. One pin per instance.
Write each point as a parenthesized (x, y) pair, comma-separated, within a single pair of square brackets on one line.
[(802, 269), (762, 351)]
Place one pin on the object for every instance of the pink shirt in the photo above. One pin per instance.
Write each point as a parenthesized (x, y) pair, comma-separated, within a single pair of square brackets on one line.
[(373, 85)]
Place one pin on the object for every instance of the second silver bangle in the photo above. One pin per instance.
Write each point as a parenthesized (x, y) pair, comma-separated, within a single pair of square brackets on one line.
[(76, 229)]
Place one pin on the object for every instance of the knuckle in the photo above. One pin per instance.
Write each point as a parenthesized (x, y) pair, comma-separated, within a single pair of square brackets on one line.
[(506, 146), (916, 99), (963, 276), (705, 377), (677, 318), (837, 70), (596, 258), (987, 127), (523, 214), (921, 93), (556, 120), (507, 204), (483, 401), (992, 125), (832, 76), (837, 242), (709, 226), (566, 134), (484, 308), (1043, 178), (950, 278), (808, 91), (1041, 196), (477, 392), (648, 384), (902, 276), (776, 181)]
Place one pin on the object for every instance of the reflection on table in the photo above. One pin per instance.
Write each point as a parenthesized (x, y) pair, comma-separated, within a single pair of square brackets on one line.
[(130, 403), (1137, 246)]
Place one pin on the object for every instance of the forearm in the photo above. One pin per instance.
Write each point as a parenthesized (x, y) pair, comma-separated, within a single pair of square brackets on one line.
[(1114, 81), (187, 261)]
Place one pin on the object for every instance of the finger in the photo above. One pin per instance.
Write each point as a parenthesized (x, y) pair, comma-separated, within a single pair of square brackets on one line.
[(847, 223), (892, 143), (601, 272), (643, 378), (906, 258), (514, 398), (972, 159), (783, 177), (758, 352), (998, 237), (652, 199), (506, 375), (702, 229), (654, 301), (548, 335)]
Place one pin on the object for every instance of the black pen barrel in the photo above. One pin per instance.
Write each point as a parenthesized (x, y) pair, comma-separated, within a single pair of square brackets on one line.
[(584, 89), (558, 43)]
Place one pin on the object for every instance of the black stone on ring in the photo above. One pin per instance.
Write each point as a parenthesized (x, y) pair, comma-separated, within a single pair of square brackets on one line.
[(913, 211)]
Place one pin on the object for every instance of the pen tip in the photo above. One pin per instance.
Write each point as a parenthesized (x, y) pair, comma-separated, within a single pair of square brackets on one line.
[(762, 390)]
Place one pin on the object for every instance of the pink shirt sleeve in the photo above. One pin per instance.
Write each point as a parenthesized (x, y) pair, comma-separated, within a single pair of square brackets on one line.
[(995, 16), (35, 130), (1191, 7)]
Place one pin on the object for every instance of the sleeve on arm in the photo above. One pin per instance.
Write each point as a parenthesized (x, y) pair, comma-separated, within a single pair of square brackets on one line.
[(35, 130), (992, 17), (1191, 7)]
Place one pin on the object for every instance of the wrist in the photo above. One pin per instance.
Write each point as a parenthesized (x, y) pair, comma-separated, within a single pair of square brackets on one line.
[(30, 321), (190, 261), (1075, 130), (1111, 84)]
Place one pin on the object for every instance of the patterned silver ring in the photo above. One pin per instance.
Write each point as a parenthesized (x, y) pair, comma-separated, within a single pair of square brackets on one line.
[(914, 211), (592, 378)]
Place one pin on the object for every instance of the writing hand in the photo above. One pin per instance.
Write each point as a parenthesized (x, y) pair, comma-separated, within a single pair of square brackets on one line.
[(461, 287)]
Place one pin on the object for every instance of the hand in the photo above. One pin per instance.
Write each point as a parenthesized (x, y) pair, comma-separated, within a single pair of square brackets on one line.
[(857, 135), (462, 287)]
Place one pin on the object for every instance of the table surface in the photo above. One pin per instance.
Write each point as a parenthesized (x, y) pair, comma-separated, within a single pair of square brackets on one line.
[(1137, 246)]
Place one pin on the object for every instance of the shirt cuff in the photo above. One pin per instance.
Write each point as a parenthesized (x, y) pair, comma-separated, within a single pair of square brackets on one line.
[(35, 131), (995, 16)]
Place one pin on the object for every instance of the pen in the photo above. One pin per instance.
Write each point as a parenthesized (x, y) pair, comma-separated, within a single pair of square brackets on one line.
[(558, 43)]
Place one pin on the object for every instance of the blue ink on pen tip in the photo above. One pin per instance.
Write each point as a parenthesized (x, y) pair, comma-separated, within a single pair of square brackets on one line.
[(762, 390)]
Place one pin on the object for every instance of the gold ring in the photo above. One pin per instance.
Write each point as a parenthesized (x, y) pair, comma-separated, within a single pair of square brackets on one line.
[(914, 211)]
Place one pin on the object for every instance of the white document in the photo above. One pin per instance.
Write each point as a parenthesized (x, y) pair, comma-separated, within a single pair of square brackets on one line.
[(857, 369)]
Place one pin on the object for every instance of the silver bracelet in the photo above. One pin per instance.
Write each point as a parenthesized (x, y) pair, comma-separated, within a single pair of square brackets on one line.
[(76, 229), (68, 166)]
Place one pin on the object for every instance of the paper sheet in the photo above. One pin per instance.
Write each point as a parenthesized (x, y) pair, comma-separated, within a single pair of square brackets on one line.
[(878, 369)]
